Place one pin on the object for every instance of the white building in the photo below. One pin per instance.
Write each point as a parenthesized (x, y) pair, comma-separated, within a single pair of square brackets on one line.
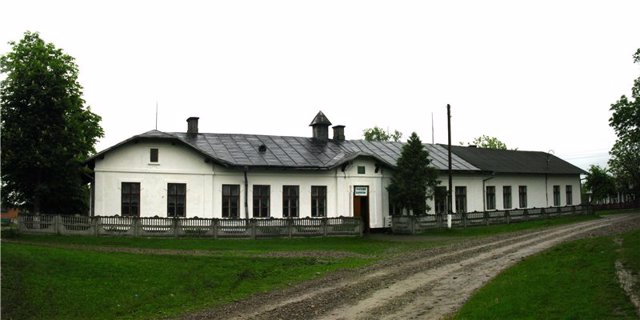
[(212, 175)]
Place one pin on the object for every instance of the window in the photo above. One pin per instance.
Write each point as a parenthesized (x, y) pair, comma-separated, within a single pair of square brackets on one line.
[(506, 197), (153, 155), (522, 195), (461, 199), (440, 200), (176, 199), (318, 201), (556, 195), (491, 198), (569, 193), (290, 198), (130, 199), (230, 200), (361, 170), (261, 197)]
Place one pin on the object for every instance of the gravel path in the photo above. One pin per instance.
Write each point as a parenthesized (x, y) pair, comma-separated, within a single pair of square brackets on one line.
[(425, 284)]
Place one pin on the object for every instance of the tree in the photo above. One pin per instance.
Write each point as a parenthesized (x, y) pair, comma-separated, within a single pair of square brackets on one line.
[(625, 153), (487, 142), (47, 132), (600, 183), (414, 180), (378, 134)]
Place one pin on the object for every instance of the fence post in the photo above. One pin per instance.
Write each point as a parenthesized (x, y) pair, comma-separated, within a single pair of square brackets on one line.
[(57, 224), (174, 226), (464, 219), (485, 216), (252, 225), (507, 216), (543, 212), (214, 228), (325, 223), (290, 227), (136, 225), (412, 224)]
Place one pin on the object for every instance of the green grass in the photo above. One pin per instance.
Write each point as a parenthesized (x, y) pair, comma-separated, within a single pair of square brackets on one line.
[(52, 283), (357, 245), (572, 281), (504, 228), (616, 211), (40, 282)]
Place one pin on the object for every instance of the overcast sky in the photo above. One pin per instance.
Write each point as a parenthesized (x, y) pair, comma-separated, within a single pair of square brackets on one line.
[(539, 75)]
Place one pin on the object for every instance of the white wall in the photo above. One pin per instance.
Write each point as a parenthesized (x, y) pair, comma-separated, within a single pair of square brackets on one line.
[(130, 163), (178, 164), (539, 189)]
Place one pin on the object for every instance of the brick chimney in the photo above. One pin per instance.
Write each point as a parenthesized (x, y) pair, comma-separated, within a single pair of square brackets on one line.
[(338, 133), (192, 126), (320, 125)]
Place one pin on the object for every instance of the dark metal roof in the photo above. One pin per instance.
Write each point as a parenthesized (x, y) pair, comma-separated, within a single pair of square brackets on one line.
[(240, 150), (263, 151), (320, 118), (511, 161)]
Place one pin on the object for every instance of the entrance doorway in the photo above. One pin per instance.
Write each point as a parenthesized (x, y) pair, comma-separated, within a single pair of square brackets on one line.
[(361, 205)]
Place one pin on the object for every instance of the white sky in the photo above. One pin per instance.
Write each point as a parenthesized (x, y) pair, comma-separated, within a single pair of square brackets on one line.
[(539, 75)]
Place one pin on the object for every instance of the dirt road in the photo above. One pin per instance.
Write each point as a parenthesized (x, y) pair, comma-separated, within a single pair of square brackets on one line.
[(427, 284)]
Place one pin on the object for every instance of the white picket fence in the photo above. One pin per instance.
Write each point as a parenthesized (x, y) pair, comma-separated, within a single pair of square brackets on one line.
[(189, 227), (418, 224)]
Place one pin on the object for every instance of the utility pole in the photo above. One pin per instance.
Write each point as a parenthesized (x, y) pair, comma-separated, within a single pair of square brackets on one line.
[(450, 193)]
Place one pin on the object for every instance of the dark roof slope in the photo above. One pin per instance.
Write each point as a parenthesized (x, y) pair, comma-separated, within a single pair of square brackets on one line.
[(510, 161), (240, 150)]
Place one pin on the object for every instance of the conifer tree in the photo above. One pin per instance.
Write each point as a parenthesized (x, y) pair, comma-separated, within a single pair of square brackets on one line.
[(414, 180)]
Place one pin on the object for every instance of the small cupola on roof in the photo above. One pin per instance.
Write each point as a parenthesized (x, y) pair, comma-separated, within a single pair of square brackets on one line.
[(320, 125)]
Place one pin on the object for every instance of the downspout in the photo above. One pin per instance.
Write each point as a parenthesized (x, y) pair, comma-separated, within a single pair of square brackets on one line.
[(246, 193)]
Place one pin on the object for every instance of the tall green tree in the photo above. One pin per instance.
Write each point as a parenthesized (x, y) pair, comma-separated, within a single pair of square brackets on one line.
[(378, 134), (600, 183), (488, 142), (625, 153), (414, 179), (47, 131)]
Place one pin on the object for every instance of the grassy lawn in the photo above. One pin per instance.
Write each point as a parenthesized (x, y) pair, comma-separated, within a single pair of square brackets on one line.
[(576, 280), (40, 282), (503, 228), (51, 283)]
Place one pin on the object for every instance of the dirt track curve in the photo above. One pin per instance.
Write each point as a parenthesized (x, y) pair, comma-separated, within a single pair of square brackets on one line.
[(426, 284)]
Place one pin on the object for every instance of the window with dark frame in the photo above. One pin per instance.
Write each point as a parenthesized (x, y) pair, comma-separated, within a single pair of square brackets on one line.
[(569, 193), (318, 201), (230, 200), (153, 155), (440, 200), (556, 196), (261, 201), (176, 199), (290, 200), (491, 197), (522, 196), (506, 197), (461, 199), (130, 199), (361, 170)]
